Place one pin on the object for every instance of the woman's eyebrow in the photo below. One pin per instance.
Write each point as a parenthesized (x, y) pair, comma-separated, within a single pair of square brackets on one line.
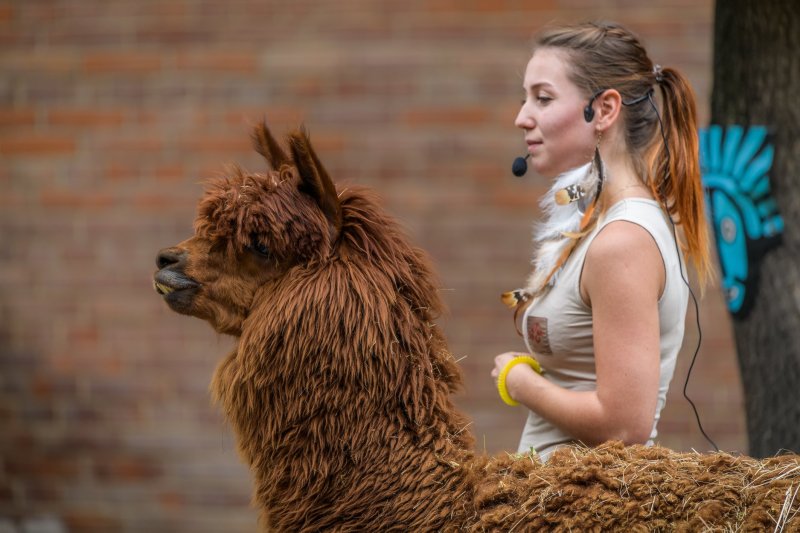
[(539, 85)]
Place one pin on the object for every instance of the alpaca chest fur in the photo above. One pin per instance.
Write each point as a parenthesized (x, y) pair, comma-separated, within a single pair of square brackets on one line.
[(337, 421), (339, 388)]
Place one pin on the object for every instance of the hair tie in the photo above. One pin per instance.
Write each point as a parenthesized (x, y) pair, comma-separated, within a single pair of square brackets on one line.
[(659, 74)]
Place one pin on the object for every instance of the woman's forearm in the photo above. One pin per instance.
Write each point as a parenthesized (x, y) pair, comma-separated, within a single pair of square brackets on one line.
[(581, 414)]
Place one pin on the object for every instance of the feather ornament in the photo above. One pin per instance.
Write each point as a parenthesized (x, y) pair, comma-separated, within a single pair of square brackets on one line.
[(564, 223)]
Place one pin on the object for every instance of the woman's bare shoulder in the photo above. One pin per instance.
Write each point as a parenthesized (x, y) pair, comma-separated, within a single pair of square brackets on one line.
[(623, 257)]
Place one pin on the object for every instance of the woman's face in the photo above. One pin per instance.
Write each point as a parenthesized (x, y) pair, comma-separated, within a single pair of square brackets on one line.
[(557, 135)]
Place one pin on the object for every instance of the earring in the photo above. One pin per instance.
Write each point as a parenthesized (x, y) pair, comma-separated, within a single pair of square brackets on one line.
[(598, 163), (580, 192)]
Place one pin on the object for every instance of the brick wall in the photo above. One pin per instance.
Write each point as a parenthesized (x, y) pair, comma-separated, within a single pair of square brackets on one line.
[(111, 114)]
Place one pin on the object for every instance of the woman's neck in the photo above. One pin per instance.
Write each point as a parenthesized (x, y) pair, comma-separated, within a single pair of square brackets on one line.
[(622, 179)]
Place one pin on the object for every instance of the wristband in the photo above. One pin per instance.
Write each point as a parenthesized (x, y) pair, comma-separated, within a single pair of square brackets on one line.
[(501, 379)]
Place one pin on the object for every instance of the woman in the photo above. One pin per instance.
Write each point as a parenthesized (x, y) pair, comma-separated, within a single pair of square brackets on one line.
[(604, 308)]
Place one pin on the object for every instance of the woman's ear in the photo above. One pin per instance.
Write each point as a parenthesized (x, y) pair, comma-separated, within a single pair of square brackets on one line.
[(608, 106)]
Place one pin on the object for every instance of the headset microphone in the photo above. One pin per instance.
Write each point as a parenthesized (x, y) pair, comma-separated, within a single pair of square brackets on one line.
[(588, 111), (520, 166)]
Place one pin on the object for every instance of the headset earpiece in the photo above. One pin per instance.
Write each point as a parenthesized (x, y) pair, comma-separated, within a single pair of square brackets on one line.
[(588, 111)]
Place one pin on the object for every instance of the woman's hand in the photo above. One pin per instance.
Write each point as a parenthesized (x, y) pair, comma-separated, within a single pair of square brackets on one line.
[(517, 377)]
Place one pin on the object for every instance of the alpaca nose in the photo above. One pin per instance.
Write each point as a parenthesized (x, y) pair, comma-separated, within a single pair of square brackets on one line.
[(170, 257)]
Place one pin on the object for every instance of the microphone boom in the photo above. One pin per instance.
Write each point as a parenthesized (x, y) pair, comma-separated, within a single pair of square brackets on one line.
[(520, 166)]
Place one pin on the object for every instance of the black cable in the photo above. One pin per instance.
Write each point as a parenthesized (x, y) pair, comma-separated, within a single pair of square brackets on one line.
[(683, 277), (699, 338)]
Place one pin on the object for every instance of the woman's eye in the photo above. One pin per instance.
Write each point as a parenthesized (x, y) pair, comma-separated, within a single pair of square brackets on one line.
[(543, 99)]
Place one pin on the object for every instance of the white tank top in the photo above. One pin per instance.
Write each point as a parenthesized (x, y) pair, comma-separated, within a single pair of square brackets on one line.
[(558, 325)]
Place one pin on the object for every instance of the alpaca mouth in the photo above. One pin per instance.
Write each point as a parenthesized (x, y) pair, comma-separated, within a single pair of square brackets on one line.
[(166, 282), (162, 289)]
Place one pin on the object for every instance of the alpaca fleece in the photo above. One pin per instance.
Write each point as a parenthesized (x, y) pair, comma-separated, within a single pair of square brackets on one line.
[(613, 487), (339, 388)]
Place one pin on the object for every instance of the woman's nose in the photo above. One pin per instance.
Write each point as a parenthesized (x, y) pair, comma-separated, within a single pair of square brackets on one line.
[(524, 119)]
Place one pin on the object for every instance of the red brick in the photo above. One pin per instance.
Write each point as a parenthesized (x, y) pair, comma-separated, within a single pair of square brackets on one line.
[(17, 116), (126, 468), (83, 335), (91, 519), (10, 200), (70, 199), (161, 10), (116, 171), (26, 145), (174, 36), (447, 6), (205, 143), (62, 363), (43, 492), (52, 467), (514, 199), (222, 62), (280, 118), (51, 384), (134, 146), (146, 117), (43, 12), (53, 62), (153, 202), (85, 118), (170, 172), (172, 500), (6, 13), (122, 62), (454, 117)]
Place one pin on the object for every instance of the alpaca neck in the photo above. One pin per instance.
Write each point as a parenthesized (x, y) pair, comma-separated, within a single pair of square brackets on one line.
[(319, 461), (340, 389)]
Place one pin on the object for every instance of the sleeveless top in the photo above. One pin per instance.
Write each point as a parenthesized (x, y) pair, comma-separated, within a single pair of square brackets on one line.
[(557, 326)]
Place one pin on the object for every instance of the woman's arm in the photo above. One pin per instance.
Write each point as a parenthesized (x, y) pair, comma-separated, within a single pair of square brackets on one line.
[(622, 280)]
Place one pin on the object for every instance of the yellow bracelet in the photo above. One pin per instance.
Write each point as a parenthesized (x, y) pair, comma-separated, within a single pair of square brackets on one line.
[(501, 379)]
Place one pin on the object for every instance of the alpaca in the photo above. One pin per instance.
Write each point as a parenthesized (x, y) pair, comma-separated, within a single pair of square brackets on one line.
[(339, 388)]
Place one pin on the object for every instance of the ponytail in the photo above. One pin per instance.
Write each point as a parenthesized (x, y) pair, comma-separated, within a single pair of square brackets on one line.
[(675, 168)]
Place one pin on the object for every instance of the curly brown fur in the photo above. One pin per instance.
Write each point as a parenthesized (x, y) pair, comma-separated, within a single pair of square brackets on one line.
[(613, 487), (339, 386)]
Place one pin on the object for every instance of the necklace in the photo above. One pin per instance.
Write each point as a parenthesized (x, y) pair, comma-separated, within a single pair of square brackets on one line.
[(619, 192)]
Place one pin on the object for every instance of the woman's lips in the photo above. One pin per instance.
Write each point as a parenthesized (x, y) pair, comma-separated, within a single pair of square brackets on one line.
[(533, 146)]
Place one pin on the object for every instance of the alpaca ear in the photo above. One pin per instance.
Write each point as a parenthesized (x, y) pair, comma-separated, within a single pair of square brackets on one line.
[(266, 145), (314, 180)]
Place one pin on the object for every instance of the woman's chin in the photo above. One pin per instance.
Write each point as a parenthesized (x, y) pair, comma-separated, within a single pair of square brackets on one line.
[(544, 171), (543, 167)]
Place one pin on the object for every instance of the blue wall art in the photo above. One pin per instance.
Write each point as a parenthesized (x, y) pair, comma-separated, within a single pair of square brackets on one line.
[(735, 162)]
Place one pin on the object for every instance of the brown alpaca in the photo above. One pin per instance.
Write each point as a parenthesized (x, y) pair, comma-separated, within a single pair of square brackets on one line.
[(339, 387)]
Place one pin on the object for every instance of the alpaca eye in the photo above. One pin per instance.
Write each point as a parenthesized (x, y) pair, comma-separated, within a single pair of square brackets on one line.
[(259, 248)]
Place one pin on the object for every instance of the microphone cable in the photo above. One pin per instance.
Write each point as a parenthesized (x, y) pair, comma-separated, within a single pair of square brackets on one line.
[(685, 280)]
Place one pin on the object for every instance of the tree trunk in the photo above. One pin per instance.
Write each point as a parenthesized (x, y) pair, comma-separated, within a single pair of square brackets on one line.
[(757, 82)]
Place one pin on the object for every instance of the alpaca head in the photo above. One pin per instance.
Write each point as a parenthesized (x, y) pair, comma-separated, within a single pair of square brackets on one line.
[(324, 291), (251, 229)]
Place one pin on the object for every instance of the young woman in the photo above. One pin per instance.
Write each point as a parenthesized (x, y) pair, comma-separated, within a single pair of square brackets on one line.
[(603, 311)]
